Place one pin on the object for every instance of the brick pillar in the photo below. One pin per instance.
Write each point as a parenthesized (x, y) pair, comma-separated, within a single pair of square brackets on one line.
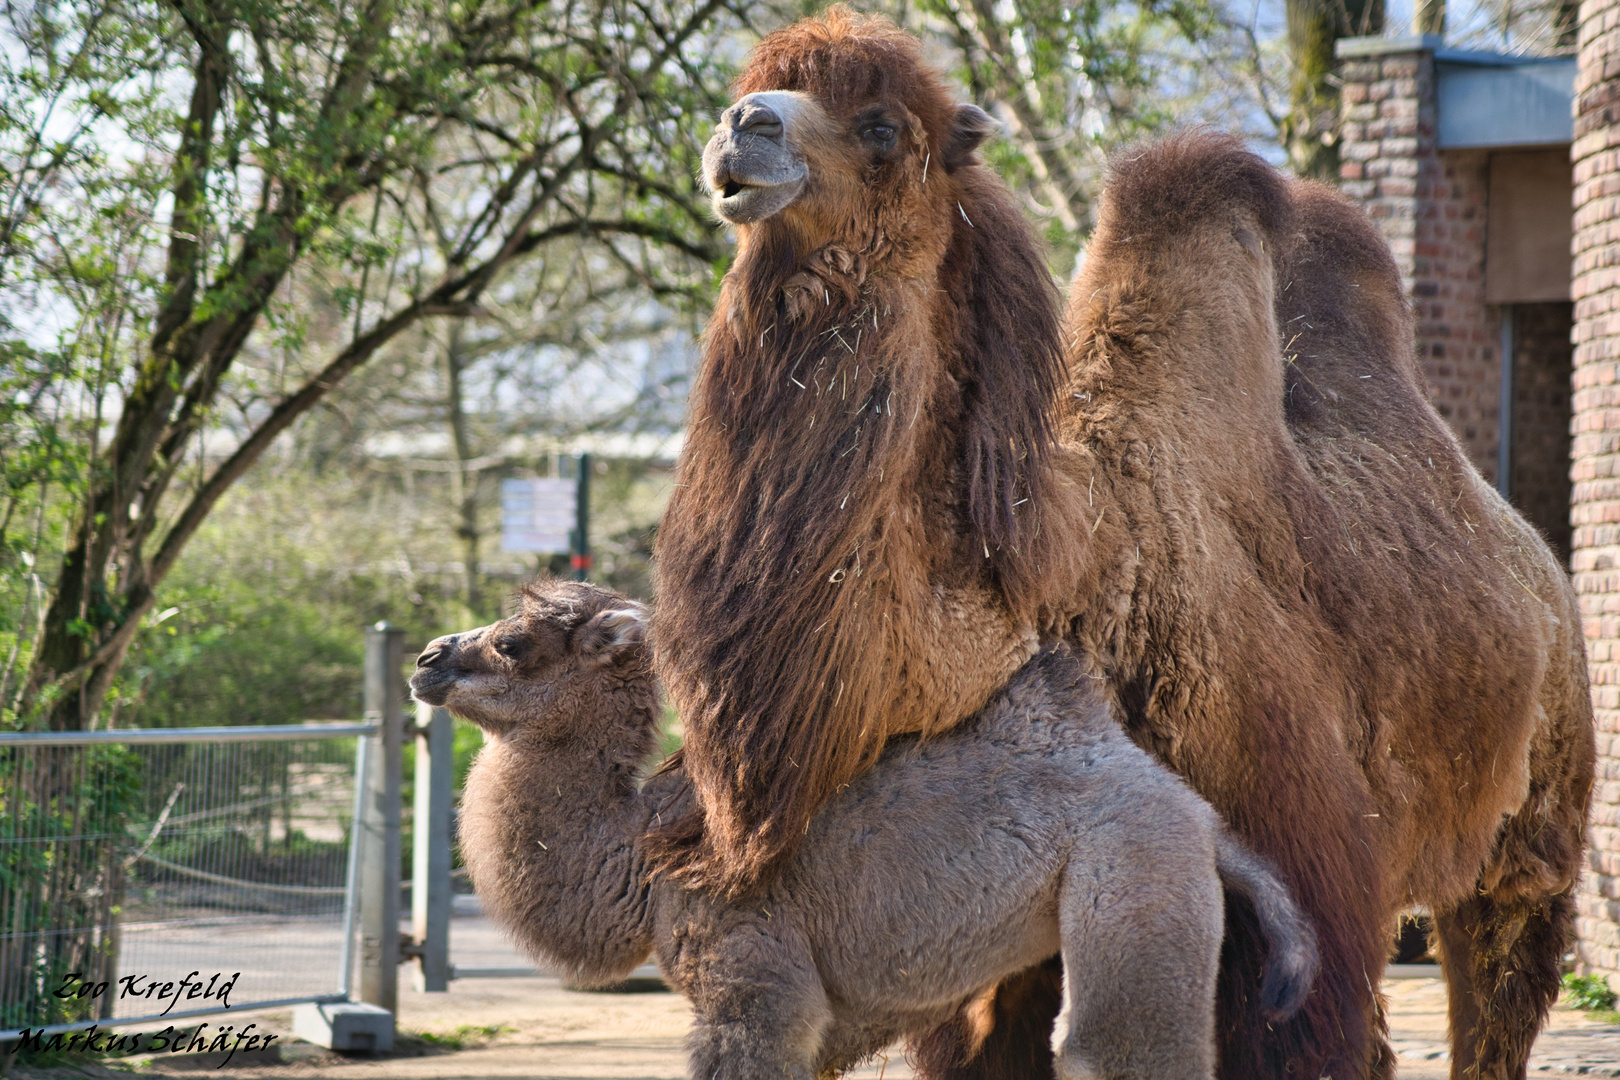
[(1595, 501), (1431, 206)]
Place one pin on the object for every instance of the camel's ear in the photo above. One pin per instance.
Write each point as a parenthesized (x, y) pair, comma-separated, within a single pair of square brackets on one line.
[(971, 126), (609, 631)]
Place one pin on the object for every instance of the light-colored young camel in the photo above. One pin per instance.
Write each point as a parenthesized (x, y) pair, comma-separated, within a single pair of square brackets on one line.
[(1229, 493), (1035, 827)]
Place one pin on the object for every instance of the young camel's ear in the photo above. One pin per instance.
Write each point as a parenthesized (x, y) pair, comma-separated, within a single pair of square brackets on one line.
[(971, 126), (609, 631)]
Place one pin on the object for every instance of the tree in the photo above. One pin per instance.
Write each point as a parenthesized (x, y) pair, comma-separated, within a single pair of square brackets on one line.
[(578, 318), (1072, 81), (1535, 27), (151, 245), (1309, 130)]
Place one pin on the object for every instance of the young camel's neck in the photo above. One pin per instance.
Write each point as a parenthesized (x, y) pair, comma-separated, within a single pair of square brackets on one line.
[(550, 831)]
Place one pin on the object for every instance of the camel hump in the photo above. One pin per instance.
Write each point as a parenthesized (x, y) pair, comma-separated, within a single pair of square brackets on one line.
[(1337, 282), (1169, 186), (1338, 237), (1347, 329)]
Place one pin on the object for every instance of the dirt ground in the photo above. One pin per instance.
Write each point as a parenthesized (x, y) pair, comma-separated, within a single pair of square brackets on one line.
[(497, 1028)]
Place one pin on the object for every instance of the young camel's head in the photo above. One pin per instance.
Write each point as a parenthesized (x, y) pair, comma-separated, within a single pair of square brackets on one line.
[(546, 669), (841, 134)]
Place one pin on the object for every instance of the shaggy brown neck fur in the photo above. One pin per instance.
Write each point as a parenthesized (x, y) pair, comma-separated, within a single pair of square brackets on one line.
[(871, 423)]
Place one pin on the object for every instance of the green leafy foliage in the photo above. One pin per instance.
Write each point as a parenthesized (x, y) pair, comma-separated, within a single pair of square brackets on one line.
[(213, 211), (234, 654), (1588, 992)]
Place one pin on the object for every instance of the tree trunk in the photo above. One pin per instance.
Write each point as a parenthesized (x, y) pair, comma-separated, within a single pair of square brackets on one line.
[(1568, 25), (1429, 17), (106, 582), (464, 479), (1310, 131)]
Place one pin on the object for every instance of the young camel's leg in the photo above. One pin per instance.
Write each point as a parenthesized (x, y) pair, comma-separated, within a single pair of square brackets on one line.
[(1500, 958), (1141, 929), (762, 1012)]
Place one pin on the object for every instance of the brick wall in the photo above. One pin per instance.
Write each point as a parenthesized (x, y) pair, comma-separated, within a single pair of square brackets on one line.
[(1595, 454), (1541, 411), (1431, 206)]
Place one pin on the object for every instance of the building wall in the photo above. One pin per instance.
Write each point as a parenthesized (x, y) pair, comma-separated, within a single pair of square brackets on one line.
[(1595, 454), (1540, 441), (1431, 206)]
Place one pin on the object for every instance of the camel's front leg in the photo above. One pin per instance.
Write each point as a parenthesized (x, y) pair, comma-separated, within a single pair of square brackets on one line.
[(760, 1008)]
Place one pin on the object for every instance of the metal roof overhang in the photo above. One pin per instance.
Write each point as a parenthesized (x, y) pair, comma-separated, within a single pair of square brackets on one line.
[(1490, 100)]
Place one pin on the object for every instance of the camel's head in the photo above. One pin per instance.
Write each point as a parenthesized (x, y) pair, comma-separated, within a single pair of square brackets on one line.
[(547, 665), (842, 134)]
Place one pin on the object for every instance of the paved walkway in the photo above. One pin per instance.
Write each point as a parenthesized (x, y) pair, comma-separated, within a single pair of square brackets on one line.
[(1571, 1044), (485, 1029)]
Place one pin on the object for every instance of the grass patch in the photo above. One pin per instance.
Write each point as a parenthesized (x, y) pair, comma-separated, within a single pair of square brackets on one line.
[(1590, 993), (465, 1037)]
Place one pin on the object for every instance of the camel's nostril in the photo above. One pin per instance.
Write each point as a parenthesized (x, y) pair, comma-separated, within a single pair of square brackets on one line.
[(430, 655), (761, 120)]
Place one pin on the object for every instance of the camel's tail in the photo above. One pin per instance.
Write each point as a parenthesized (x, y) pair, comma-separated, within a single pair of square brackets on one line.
[(1291, 958)]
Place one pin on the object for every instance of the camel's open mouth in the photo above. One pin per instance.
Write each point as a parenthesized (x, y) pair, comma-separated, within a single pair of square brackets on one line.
[(741, 203), (752, 166)]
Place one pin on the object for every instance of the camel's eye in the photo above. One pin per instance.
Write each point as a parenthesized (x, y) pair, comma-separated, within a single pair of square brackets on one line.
[(879, 134), (509, 647)]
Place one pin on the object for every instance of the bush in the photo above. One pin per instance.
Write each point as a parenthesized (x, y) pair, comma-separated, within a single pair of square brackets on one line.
[(1588, 992), (63, 838)]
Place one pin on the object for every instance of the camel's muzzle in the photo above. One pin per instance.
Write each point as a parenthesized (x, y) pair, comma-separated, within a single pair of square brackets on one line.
[(750, 165), (434, 676)]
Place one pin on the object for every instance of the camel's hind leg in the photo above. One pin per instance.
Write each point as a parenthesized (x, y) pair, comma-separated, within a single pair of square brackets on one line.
[(1140, 917), (1500, 958)]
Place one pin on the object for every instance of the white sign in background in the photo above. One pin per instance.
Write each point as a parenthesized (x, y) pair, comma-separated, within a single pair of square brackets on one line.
[(538, 515)]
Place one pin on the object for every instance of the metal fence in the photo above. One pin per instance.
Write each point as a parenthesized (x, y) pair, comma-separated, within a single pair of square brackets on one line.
[(176, 872), (155, 874)]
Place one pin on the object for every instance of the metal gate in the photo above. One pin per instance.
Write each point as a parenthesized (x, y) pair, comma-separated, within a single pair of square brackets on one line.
[(156, 874), (150, 875)]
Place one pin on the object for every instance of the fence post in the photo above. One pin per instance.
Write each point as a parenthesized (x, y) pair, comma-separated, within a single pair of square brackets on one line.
[(430, 843), (379, 837), (582, 519)]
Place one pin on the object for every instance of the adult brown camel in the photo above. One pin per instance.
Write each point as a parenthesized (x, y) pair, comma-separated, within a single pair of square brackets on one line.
[(1302, 596)]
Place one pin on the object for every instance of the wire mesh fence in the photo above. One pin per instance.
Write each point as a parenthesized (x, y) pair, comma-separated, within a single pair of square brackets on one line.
[(175, 871)]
